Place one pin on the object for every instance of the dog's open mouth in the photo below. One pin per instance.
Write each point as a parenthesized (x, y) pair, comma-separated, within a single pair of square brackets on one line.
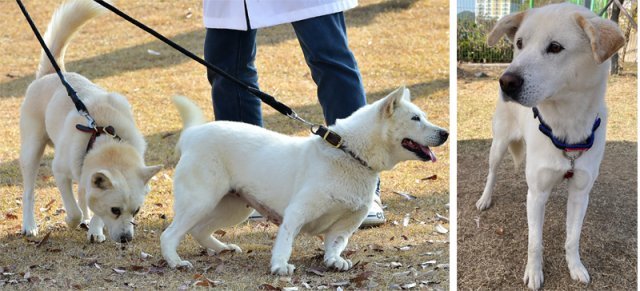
[(423, 152)]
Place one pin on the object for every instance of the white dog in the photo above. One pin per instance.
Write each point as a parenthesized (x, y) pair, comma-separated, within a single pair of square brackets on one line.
[(111, 176), (560, 66), (300, 183)]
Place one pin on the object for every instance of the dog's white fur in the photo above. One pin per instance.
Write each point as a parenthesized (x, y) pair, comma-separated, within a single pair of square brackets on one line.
[(301, 183), (568, 88), (113, 173)]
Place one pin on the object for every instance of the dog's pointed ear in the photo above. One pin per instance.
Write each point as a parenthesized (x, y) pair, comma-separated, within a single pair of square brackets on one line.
[(390, 103), (102, 180), (507, 25), (148, 172), (604, 35)]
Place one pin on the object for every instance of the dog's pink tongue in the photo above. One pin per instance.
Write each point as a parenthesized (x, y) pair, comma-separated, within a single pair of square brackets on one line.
[(428, 152)]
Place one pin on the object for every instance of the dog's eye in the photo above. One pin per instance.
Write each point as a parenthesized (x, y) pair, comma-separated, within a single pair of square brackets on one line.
[(519, 43), (116, 211), (554, 48), (136, 212), (415, 118)]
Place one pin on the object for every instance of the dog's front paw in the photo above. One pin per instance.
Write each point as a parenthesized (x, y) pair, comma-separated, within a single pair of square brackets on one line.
[(234, 248), (338, 263), (95, 236), (30, 230), (533, 276), (282, 269), (180, 265), (579, 272), (483, 203)]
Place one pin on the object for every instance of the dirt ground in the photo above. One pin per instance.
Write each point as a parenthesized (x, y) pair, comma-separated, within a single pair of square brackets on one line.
[(492, 245), (119, 57)]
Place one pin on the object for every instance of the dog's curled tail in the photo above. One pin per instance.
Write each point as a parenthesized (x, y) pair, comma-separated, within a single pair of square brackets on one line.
[(190, 113), (516, 148), (66, 20)]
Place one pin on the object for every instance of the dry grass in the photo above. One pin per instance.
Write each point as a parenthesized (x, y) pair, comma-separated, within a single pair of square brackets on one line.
[(395, 42), (493, 255)]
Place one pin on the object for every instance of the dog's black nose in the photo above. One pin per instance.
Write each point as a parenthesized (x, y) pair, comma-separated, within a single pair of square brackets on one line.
[(511, 84), (125, 238), (444, 134)]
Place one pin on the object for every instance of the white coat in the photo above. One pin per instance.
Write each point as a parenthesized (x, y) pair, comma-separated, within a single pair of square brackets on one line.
[(230, 14)]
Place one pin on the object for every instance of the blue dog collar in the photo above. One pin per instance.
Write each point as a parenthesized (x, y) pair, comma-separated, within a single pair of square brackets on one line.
[(561, 144)]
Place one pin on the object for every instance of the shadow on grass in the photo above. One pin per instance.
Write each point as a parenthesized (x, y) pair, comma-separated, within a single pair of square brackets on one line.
[(160, 145), (608, 243), (137, 58)]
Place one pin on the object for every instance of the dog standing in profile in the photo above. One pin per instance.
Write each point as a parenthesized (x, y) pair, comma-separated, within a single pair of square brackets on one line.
[(300, 183), (112, 177), (559, 68)]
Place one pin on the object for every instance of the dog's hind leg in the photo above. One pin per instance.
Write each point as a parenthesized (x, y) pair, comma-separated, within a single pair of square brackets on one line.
[(576, 208), (498, 149), (229, 212), (33, 140)]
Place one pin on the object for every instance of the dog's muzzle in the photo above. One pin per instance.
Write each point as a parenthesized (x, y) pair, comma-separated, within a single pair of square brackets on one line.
[(511, 85)]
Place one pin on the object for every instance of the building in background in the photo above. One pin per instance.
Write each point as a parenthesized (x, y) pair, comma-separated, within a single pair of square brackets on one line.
[(496, 9)]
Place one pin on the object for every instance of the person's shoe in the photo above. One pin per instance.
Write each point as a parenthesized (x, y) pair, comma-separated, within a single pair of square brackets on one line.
[(375, 216)]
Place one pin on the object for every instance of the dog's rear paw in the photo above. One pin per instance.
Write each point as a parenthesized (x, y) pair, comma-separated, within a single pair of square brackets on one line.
[(183, 265), (579, 273), (533, 276), (483, 203), (30, 231), (338, 263), (283, 269)]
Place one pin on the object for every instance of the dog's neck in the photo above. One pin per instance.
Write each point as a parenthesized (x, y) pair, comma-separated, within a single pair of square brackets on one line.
[(573, 121), (364, 140)]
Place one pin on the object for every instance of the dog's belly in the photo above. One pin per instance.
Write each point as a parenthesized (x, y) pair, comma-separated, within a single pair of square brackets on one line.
[(269, 213)]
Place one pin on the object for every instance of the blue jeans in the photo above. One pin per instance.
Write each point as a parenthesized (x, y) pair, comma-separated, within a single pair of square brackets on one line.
[(323, 41)]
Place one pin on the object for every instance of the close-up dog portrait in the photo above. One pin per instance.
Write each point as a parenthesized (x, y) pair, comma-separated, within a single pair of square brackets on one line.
[(563, 214), (234, 144)]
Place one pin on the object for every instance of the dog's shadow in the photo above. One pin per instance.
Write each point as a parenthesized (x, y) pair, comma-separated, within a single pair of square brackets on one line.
[(492, 244)]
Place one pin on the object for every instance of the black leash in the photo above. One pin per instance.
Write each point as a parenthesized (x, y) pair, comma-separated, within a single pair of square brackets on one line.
[(72, 93), (320, 130), (266, 98)]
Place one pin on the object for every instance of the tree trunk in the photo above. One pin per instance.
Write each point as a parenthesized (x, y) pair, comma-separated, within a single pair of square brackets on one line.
[(615, 14)]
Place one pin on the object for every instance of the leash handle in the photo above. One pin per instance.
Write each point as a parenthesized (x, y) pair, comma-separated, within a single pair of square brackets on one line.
[(82, 109), (266, 98)]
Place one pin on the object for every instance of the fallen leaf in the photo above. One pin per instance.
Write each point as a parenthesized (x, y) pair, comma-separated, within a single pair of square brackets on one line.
[(290, 288), (158, 204), (405, 195), (441, 229), (168, 134), (136, 268), (188, 14), (404, 248), (395, 265), (442, 266), (376, 247), (43, 240), (152, 52), (360, 279), (500, 231), (340, 284), (11, 216), (220, 232), (440, 217), (426, 264), (404, 237), (401, 274), (432, 177), (317, 271), (119, 271), (409, 285), (144, 255), (268, 287)]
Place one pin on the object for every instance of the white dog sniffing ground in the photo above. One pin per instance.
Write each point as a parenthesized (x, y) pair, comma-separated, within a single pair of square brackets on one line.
[(112, 175), (560, 68), (300, 183)]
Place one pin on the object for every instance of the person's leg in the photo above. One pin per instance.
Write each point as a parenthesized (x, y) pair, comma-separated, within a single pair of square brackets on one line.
[(333, 67), (234, 52)]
